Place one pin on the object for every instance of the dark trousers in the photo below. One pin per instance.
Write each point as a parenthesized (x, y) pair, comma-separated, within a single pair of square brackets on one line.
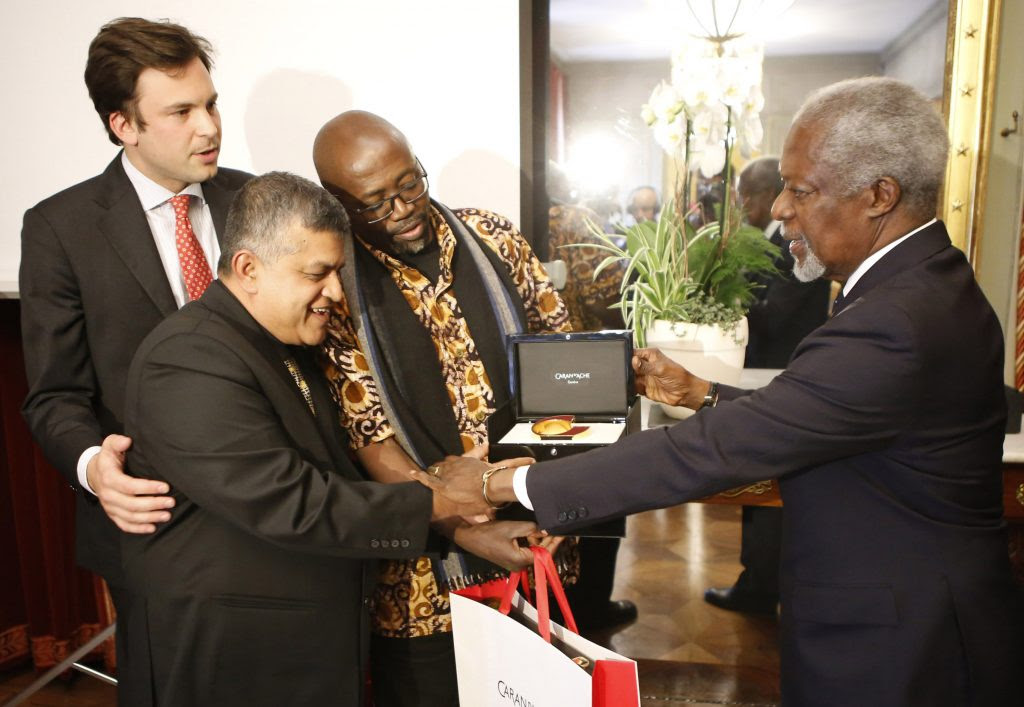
[(591, 594), (413, 672), (760, 551), (132, 687)]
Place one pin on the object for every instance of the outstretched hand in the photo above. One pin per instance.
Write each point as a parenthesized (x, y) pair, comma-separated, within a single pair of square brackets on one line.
[(135, 505), (665, 381)]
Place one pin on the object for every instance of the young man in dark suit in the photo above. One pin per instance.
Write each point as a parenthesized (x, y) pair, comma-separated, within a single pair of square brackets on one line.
[(254, 593), (886, 430), (101, 265)]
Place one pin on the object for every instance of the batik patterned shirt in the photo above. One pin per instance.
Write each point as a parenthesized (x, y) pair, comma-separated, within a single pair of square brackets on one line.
[(407, 601), (582, 294)]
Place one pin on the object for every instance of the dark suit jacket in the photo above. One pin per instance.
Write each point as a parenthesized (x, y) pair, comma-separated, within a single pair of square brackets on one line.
[(92, 286), (253, 592), (785, 311), (888, 427)]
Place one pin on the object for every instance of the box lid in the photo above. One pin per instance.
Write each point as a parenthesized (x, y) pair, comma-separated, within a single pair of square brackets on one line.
[(586, 374)]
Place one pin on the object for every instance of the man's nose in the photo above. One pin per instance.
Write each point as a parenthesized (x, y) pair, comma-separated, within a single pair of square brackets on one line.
[(781, 208), (207, 122), (332, 288), (400, 209)]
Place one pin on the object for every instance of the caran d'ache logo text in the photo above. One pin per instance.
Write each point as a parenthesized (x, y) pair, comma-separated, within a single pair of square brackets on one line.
[(572, 377), (514, 698)]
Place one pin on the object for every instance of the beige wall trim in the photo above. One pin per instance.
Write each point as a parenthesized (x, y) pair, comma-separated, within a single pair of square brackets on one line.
[(971, 54)]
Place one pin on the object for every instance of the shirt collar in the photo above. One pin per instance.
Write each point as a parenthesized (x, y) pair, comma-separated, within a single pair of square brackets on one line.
[(150, 193), (876, 256)]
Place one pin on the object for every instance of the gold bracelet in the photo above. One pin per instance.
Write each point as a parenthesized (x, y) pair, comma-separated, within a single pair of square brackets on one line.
[(483, 483)]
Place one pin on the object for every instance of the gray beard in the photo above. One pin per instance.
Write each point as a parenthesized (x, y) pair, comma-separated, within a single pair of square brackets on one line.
[(811, 268)]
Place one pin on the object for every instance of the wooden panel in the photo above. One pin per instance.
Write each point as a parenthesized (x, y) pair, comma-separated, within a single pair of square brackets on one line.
[(1013, 492)]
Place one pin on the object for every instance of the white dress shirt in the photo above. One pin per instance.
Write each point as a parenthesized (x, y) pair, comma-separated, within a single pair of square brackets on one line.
[(156, 203)]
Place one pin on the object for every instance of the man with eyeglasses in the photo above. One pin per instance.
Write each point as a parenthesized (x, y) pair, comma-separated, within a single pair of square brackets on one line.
[(418, 367)]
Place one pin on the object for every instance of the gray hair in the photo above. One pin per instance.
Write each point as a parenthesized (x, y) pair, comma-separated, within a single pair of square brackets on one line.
[(762, 175), (875, 127), (266, 207)]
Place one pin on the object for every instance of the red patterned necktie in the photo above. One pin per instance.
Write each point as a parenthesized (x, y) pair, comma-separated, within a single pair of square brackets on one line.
[(194, 268)]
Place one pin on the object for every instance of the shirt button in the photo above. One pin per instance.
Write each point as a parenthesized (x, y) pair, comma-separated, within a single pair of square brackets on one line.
[(562, 517), (572, 515), (375, 543), (583, 512), (405, 542)]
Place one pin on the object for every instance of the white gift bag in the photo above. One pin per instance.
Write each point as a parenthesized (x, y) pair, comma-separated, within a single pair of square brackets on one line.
[(502, 662)]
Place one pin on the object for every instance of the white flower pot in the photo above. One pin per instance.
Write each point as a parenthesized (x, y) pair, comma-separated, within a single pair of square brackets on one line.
[(706, 350)]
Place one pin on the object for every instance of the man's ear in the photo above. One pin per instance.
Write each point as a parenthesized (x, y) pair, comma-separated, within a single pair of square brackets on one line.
[(123, 128), (885, 195), (245, 267)]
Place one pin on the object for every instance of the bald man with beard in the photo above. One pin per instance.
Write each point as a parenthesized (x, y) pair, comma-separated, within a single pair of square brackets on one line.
[(418, 367)]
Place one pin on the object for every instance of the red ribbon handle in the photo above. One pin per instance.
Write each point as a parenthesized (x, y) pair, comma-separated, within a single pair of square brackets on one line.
[(544, 572)]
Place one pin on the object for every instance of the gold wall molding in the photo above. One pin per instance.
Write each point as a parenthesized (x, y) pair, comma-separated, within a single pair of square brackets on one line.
[(972, 44)]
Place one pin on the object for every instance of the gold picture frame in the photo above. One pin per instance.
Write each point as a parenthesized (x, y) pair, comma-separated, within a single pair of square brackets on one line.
[(972, 44)]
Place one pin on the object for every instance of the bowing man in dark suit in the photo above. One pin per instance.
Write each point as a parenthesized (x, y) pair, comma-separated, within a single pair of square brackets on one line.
[(101, 266), (886, 430), (253, 592), (784, 312)]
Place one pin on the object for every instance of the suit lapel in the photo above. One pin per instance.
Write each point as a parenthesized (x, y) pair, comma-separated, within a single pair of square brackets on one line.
[(219, 200), (318, 437), (124, 225)]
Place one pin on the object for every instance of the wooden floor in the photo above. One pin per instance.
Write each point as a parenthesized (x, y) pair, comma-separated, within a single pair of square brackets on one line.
[(688, 652)]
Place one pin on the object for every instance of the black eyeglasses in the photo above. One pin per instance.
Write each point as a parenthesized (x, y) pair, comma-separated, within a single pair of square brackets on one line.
[(409, 194)]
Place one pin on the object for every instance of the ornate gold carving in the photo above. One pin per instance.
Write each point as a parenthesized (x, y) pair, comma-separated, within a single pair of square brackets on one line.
[(759, 488), (971, 53), (1020, 494)]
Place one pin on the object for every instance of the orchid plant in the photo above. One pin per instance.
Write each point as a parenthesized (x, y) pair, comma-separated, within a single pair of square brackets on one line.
[(674, 270)]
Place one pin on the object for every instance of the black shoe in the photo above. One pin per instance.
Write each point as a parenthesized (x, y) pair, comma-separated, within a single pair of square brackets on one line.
[(732, 599), (614, 613)]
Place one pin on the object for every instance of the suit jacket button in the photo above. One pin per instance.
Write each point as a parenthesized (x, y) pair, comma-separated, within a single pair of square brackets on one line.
[(562, 517), (375, 543), (572, 515), (405, 542), (583, 512)]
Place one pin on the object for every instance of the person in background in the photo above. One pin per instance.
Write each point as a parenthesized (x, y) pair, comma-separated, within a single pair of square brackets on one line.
[(588, 300), (784, 312), (642, 205)]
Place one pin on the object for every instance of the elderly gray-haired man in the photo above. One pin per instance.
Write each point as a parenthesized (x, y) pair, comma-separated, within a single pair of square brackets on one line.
[(886, 427)]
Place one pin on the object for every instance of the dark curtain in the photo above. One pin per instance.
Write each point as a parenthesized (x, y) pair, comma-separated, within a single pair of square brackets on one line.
[(48, 605)]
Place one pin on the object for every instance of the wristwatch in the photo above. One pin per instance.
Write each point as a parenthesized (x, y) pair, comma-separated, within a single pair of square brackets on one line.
[(711, 399)]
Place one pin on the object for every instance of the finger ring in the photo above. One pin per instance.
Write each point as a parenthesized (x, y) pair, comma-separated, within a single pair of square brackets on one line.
[(434, 470)]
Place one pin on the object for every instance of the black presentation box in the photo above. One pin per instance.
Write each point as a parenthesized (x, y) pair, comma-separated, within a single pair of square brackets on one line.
[(588, 375)]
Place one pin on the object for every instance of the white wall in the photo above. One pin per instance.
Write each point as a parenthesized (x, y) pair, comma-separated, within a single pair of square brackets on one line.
[(918, 56), (447, 74)]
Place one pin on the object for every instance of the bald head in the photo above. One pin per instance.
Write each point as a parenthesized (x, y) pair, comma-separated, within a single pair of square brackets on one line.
[(365, 161), (759, 184), (643, 204)]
